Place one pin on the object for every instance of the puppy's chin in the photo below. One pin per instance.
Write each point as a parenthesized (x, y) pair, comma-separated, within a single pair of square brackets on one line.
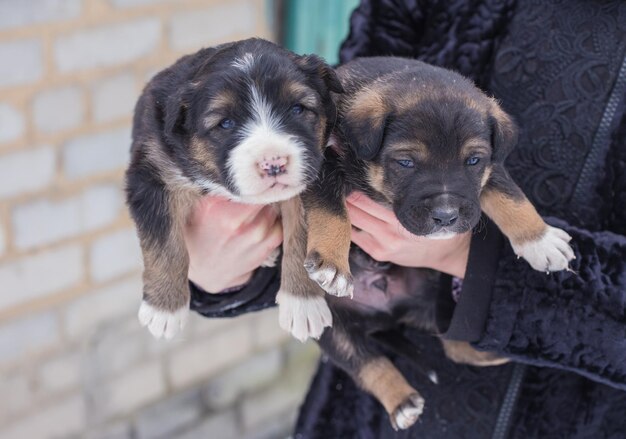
[(441, 234)]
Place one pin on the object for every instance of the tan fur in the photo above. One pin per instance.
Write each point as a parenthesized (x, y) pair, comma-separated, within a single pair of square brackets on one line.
[(334, 247), (368, 105), (376, 178), (517, 219), (294, 278), (463, 352), (381, 378), (307, 96), (166, 266), (415, 147), (473, 146), (202, 152), (486, 176)]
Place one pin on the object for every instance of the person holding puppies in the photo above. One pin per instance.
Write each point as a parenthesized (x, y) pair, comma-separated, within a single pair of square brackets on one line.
[(560, 70)]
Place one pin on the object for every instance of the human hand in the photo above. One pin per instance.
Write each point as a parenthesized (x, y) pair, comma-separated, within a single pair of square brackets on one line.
[(227, 241), (379, 233)]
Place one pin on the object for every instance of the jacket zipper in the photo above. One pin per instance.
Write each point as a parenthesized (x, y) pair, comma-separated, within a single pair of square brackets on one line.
[(503, 423), (602, 138)]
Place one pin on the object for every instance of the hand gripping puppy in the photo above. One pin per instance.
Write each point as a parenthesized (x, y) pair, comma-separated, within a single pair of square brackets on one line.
[(427, 143), (248, 121)]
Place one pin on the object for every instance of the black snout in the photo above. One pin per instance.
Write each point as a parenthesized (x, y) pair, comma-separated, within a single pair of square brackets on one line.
[(445, 216)]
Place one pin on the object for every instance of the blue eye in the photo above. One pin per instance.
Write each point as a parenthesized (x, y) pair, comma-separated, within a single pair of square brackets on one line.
[(406, 163), (472, 161), (297, 109), (227, 124)]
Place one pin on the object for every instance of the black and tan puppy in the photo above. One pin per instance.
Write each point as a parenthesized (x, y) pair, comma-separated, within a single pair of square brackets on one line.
[(249, 121), (386, 299), (430, 145), (427, 143)]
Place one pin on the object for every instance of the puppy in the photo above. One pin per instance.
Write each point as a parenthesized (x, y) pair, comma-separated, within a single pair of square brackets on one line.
[(427, 143), (248, 121)]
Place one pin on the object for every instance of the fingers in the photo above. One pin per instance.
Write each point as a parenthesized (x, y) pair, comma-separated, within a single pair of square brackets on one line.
[(366, 204), (218, 210), (365, 221), (368, 243)]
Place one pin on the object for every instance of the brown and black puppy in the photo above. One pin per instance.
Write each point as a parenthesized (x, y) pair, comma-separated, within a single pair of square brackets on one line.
[(249, 121), (427, 143), (386, 299)]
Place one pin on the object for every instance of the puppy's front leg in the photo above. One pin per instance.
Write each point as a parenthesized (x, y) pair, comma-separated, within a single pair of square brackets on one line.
[(546, 248), (160, 216), (302, 309), (328, 235)]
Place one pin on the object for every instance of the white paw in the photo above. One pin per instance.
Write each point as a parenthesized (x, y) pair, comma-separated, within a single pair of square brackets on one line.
[(332, 282), (408, 412), (551, 252), (272, 258), (304, 317), (162, 323), (328, 276)]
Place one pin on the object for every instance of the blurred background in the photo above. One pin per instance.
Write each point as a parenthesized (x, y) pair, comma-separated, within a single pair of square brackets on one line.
[(74, 362)]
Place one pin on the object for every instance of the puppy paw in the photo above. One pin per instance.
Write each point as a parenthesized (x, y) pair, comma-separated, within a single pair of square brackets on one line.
[(551, 252), (331, 278), (272, 258), (304, 317), (408, 412), (162, 323)]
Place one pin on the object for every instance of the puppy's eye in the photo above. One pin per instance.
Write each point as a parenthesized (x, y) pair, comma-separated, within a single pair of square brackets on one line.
[(472, 161), (406, 163), (227, 124), (297, 109)]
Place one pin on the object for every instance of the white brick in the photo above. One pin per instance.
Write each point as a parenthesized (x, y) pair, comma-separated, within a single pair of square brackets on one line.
[(2, 240), (105, 46), (43, 221), (40, 275), (195, 29), (223, 391), (115, 254), (221, 425), (26, 171), (134, 389), (28, 335), (133, 3), (60, 419), (117, 430), (59, 374), (267, 331), (21, 62), (84, 315), (273, 402), (162, 420), (23, 13), (21, 396), (11, 123), (58, 110), (97, 153), (204, 358), (114, 98)]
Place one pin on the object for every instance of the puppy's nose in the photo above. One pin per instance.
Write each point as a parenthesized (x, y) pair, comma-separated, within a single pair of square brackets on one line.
[(273, 166), (445, 216)]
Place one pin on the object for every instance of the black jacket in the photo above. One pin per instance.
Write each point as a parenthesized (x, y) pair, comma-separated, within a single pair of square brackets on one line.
[(559, 67)]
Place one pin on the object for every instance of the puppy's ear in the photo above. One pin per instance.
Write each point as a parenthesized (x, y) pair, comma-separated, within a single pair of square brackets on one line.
[(314, 66), (364, 124), (504, 133), (176, 120)]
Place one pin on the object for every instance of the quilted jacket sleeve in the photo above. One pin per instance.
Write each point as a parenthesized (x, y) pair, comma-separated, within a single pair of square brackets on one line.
[(259, 293), (570, 320)]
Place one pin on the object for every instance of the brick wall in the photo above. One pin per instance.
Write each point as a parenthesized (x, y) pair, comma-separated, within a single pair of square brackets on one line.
[(73, 360)]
